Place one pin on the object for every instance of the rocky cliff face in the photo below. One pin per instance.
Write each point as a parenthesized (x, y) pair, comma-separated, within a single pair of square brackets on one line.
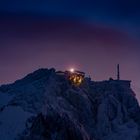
[(45, 106)]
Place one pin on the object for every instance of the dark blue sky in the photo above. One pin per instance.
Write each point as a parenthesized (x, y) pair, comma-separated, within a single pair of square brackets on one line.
[(119, 13), (120, 10), (92, 36)]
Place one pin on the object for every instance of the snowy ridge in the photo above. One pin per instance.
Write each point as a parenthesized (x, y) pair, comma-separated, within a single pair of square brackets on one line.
[(45, 106)]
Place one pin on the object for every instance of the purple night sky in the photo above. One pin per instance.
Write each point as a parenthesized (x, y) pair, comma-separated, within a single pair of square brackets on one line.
[(90, 36)]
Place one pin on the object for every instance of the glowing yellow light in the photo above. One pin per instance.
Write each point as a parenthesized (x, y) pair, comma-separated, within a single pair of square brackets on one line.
[(72, 70)]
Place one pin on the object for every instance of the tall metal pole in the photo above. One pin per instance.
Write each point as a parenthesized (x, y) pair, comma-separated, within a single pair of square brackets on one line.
[(118, 72)]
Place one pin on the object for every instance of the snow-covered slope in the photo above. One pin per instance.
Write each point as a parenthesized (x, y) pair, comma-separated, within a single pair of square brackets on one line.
[(45, 106)]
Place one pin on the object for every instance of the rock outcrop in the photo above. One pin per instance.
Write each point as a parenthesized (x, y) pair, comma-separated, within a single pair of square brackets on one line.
[(53, 109)]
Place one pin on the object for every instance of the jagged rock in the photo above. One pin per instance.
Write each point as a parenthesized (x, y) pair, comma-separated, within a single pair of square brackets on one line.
[(60, 128), (53, 109)]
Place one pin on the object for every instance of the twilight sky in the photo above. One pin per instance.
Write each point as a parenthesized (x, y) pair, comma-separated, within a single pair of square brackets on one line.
[(89, 35)]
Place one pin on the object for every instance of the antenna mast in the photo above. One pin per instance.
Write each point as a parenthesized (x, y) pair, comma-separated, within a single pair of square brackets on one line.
[(118, 72)]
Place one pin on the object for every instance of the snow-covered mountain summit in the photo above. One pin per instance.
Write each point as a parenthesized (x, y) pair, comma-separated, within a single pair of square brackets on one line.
[(46, 106)]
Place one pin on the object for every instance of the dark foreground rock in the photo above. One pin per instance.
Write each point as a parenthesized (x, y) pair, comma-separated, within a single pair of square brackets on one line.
[(47, 107)]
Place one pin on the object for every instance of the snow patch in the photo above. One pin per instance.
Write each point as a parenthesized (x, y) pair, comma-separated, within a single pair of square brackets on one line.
[(12, 122)]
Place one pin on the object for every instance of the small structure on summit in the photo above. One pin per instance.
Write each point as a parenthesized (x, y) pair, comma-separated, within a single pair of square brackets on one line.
[(75, 77)]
